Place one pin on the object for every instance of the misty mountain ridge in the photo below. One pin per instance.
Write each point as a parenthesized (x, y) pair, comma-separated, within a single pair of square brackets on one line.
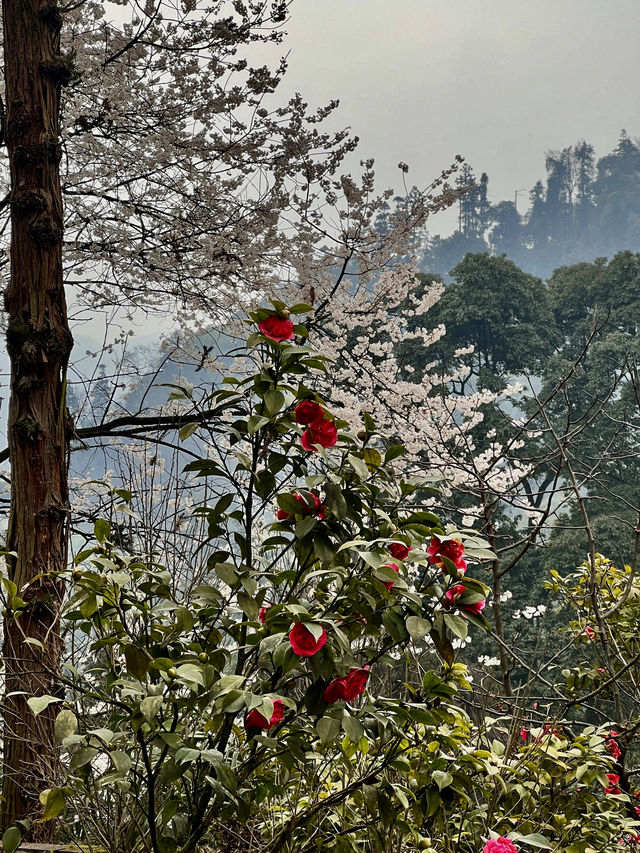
[(584, 209)]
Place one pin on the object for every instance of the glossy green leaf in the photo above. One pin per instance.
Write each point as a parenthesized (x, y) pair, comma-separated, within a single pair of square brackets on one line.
[(417, 627), (120, 760), (53, 801), (353, 728), (150, 706), (442, 779), (137, 661), (11, 838), (227, 573), (535, 840), (101, 530), (274, 401), (188, 430), (66, 724), (39, 703), (81, 757), (393, 452)]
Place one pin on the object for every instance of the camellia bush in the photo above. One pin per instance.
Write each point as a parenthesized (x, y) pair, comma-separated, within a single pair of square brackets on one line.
[(254, 703), (224, 711)]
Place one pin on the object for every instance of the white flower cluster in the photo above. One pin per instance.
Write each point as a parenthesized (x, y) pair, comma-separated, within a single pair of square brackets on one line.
[(529, 612), (485, 660)]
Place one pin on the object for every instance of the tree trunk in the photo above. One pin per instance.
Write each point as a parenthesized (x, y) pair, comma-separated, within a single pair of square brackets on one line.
[(39, 343)]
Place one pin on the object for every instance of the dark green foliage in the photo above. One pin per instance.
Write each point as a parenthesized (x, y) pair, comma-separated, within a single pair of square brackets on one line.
[(502, 312)]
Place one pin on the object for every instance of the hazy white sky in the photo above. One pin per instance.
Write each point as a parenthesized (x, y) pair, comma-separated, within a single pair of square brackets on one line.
[(498, 81)]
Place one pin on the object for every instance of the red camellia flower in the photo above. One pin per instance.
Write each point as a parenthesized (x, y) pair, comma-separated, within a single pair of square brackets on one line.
[(524, 733), (255, 720), (307, 412), (322, 432), (277, 328), (305, 509), (613, 784), (589, 632), (613, 749), (500, 845), (348, 688), (456, 592), (452, 549), (399, 550), (303, 642), (262, 613), (452, 595)]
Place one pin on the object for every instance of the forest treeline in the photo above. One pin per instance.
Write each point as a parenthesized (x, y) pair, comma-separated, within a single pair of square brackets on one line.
[(584, 209)]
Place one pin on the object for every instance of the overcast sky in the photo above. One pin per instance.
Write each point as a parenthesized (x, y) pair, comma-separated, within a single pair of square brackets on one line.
[(498, 81)]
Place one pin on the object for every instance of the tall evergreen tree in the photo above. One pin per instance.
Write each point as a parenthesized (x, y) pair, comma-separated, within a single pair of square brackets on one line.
[(617, 196), (537, 231), (468, 220), (483, 205), (39, 343), (584, 157), (559, 196), (506, 232)]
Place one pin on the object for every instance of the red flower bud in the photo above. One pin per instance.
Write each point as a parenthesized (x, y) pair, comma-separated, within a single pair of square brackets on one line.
[(452, 598), (399, 550), (452, 549), (389, 584), (262, 613), (305, 509), (612, 788)]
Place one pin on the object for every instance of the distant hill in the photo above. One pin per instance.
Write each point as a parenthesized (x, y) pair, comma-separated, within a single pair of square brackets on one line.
[(584, 209)]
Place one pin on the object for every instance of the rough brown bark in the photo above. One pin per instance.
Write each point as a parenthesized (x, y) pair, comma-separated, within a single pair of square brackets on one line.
[(39, 343)]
